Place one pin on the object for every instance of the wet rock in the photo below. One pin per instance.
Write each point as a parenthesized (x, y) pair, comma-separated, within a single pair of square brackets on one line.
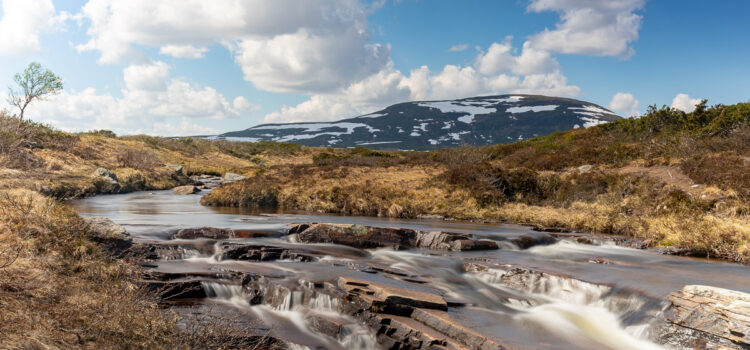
[(529, 240), (367, 237), (445, 324), (388, 299), (204, 232), (358, 236), (113, 236), (254, 252), (188, 189), (716, 311), (232, 177), (102, 172)]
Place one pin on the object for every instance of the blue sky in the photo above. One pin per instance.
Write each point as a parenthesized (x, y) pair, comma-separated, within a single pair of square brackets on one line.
[(184, 67)]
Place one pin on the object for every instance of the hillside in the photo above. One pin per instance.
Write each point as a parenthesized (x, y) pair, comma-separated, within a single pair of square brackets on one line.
[(675, 181), (438, 124)]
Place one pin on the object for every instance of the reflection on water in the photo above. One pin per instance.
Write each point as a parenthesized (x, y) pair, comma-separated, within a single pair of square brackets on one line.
[(555, 313)]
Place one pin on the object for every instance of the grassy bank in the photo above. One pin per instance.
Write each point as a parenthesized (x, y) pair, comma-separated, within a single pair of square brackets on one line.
[(59, 289), (670, 178)]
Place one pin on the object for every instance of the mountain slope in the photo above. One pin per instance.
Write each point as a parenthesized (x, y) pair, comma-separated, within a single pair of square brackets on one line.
[(438, 124)]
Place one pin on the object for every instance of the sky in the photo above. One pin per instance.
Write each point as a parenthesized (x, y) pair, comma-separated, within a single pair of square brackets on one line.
[(194, 67)]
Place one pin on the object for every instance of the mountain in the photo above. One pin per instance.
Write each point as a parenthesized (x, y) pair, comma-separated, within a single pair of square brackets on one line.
[(438, 124)]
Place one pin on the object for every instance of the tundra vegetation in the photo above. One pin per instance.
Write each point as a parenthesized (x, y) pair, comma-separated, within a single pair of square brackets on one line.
[(672, 179)]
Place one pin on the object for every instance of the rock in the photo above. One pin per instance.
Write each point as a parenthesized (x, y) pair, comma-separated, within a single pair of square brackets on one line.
[(186, 190), (367, 237), (106, 181), (584, 168), (232, 177), (530, 240), (101, 172), (444, 323), (176, 168), (716, 311), (254, 252), (388, 299), (113, 236), (358, 236), (204, 232)]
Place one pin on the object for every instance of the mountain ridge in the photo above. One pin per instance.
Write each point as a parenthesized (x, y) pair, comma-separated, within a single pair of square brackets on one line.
[(425, 125)]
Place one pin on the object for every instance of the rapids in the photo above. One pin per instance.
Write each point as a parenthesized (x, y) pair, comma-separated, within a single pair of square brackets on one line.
[(601, 306)]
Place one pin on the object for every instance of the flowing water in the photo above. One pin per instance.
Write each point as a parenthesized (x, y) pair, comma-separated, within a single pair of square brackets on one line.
[(601, 306)]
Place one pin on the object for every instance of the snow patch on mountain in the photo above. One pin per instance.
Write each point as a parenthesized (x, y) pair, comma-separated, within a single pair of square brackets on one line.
[(525, 109)]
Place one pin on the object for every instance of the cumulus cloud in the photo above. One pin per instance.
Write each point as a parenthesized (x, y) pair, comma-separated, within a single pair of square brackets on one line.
[(459, 48), (625, 104), (294, 46), (685, 103), (183, 51), (591, 27), (152, 102), (496, 71), (21, 24)]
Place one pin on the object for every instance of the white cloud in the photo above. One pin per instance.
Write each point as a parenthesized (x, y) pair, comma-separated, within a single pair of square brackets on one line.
[(625, 104), (21, 24), (183, 51), (308, 63), (499, 58), (459, 48), (310, 46), (685, 103), (390, 86), (152, 102), (591, 27)]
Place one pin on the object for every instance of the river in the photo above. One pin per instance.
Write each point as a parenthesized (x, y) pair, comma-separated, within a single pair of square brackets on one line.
[(594, 306)]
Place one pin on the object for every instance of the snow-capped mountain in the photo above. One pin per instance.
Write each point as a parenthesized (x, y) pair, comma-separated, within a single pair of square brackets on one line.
[(437, 124)]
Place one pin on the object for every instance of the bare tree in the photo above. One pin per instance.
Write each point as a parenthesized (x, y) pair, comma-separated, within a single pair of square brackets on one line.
[(35, 83)]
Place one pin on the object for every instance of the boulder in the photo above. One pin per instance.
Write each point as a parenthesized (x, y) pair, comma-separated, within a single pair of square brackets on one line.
[(584, 168), (358, 236), (716, 311), (102, 172), (106, 181), (113, 236), (183, 190), (204, 232), (232, 177)]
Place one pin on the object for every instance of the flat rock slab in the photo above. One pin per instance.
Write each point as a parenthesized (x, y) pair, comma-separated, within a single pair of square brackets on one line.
[(369, 237), (186, 190), (389, 299), (721, 312)]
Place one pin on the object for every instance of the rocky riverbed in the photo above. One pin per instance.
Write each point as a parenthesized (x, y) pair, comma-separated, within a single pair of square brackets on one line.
[(332, 282)]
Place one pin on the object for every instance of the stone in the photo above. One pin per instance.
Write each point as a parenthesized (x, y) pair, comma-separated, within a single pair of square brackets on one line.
[(232, 177), (204, 232), (255, 252), (184, 190), (368, 237), (721, 312), (358, 236), (530, 240), (444, 323), (584, 168), (113, 236), (102, 172), (389, 299)]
